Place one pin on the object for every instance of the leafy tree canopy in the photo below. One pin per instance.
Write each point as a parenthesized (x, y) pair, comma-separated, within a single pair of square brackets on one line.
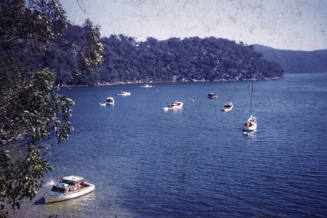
[(30, 107)]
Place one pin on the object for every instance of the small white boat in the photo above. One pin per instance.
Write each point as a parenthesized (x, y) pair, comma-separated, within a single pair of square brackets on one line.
[(174, 106), (146, 86), (68, 188), (228, 107), (110, 101), (212, 96), (124, 93)]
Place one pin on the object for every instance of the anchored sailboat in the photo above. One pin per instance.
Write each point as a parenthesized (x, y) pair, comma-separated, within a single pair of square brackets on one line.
[(251, 124)]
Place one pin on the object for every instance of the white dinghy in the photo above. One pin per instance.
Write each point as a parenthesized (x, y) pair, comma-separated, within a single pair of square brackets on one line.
[(227, 107), (175, 105), (146, 86), (212, 96), (124, 93)]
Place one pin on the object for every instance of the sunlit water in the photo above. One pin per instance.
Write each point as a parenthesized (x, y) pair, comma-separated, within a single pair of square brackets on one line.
[(195, 162)]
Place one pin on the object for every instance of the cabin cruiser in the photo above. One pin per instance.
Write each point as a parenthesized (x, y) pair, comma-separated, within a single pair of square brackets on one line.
[(124, 93), (228, 107), (146, 86), (68, 188), (174, 106), (212, 96), (110, 101)]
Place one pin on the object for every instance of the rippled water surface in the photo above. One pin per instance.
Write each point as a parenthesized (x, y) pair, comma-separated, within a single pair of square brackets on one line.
[(195, 162)]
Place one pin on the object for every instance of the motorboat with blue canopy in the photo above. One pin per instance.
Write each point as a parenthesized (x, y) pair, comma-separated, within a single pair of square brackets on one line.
[(69, 187)]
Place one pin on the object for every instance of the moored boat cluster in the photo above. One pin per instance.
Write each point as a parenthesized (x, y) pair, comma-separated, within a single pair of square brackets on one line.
[(73, 186), (249, 126)]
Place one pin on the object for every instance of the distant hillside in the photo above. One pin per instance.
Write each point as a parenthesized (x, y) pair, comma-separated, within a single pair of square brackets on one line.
[(296, 61), (174, 59), (188, 59)]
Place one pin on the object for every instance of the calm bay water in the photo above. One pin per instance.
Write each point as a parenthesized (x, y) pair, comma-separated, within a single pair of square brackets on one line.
[(195, 162)]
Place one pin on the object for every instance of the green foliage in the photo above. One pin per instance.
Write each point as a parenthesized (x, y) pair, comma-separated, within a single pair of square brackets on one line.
[(21, 178), (91, 55), (187, 59), (126, 60), (30, 107), (31, 20)]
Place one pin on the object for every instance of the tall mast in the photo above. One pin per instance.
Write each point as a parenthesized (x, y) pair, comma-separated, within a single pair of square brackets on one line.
[(252, 97)]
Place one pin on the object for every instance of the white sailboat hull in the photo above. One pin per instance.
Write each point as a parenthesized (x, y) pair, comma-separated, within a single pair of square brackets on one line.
[(250, 125), (50, 197), (250, 128)]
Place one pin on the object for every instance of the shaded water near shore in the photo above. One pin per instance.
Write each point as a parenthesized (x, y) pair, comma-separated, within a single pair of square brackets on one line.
[(195, 162)]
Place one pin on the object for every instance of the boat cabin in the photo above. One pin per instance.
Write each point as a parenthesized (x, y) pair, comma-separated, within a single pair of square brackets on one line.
[(212, 96), (175, 104), (110, 99), (69, 184), (72, 180), (61, 188)]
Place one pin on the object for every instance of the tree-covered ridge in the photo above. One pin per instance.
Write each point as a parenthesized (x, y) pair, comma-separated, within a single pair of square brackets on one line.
[(175, 59)]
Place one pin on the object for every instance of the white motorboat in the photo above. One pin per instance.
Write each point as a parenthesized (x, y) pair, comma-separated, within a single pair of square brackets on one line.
[(110, 101), (146, 86), (251, 124), (212, 96), (228, 107), (124, 93), (174, 106), (68, 188)]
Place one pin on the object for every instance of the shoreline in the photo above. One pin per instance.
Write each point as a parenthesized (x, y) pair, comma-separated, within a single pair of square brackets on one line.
[(98, 84)]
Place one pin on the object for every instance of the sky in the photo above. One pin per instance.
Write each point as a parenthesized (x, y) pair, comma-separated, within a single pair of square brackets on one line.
[(282, 24)]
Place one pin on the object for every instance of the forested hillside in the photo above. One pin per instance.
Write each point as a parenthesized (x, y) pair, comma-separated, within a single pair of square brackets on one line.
[(188, 59), (296, 61)]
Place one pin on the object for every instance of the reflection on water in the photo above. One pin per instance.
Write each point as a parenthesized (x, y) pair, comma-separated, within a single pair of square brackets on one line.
[(251, 134), (78, 206), (251, 137), (82, 206)]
